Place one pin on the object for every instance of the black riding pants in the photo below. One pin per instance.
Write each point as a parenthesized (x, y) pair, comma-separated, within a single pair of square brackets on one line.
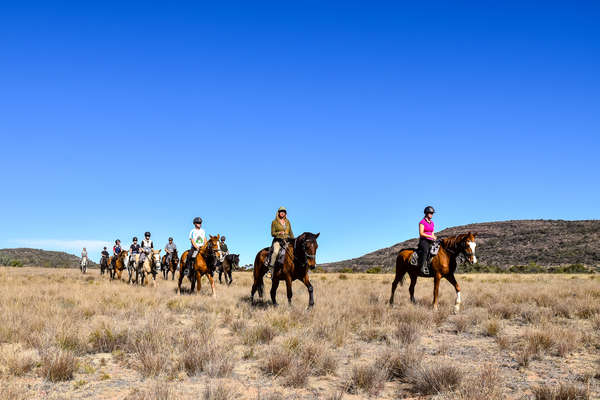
[(423, 250)]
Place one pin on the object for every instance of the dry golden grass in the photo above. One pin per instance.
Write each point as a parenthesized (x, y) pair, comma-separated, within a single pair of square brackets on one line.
[(517, 336)]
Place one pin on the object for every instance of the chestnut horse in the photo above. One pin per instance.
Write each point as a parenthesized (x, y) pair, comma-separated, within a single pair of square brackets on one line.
[(206, 262), (169, 266), (120, 265), (299, 258), (443, 265)]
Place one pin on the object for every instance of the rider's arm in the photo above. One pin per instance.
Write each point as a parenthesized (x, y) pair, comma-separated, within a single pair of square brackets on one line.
[(291, 233), (274, 231)]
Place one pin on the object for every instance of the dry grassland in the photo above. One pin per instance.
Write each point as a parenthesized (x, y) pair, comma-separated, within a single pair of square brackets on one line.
[(68, 336)]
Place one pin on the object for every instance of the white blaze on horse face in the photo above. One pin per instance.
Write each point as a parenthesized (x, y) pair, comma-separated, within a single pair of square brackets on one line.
[(472, 245)]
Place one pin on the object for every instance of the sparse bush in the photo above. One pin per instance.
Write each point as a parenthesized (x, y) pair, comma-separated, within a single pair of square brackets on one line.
[(297, 374), (486, 385), (492, 327), (400, 362), (564, 391), (277, 361), (436, 379), (407, 332), (104, 340), (261, 333), (373, 270), (367, 378), (342, 277), (218, 391), (20, 362), (58, 365)]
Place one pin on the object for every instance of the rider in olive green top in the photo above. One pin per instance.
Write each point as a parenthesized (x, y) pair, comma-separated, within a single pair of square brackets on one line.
[(281, 229)]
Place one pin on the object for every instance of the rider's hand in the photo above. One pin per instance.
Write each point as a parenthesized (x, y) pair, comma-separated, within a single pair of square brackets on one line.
[(434, 237)]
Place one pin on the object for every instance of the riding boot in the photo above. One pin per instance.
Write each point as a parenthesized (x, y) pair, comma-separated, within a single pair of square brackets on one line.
[(424, 265), (189, 265)]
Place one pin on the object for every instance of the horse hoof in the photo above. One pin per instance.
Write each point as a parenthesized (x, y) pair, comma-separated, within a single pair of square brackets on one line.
[(456, 308)]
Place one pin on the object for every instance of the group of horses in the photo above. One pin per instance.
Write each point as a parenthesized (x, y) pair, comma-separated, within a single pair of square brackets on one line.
[(299, 258), (144, 271)]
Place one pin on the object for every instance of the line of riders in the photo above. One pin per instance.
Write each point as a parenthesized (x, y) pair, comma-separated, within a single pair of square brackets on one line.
[(289, 258), (281, 231)]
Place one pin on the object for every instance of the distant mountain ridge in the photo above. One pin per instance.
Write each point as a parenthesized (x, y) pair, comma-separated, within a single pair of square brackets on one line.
[(506, 243), (41, 258)]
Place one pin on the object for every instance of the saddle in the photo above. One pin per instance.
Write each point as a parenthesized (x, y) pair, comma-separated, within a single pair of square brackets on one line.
[(433, 251)]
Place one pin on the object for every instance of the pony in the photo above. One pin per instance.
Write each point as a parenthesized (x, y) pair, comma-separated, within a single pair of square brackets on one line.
[(120, 265), (300, 256), (133, 268), (83, 264), (104, 264), (230, 262), (148, 268), (169, 264), (443, 265), (205, 264)]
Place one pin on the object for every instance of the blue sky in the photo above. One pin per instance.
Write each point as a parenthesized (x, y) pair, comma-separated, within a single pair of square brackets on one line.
[(122, 117)]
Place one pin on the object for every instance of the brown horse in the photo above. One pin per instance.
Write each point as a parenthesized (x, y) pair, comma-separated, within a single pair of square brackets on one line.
[(443, 265), (167, 265), (206, 262), (120, 265), (299, 258), (230, 262)]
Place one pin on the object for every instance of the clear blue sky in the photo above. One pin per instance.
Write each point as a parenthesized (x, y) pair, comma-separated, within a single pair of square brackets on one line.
[(354, 115)]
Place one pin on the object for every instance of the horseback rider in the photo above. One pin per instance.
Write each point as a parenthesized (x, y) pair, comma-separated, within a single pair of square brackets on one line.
[(147, 247), (170, 248), (281, 230), (83, 254), (104, 253), (223, 246), (426, 239), (134, 249), (116, 251), (197, 239)]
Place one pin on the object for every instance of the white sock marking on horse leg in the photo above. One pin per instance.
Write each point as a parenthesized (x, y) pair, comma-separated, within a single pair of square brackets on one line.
[(458, 298)]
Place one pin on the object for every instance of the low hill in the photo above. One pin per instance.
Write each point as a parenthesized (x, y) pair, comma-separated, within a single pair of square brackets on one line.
[(505, 244), (40, 258)]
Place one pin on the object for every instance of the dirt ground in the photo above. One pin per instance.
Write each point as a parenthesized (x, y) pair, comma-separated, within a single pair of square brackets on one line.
[(64, 335)]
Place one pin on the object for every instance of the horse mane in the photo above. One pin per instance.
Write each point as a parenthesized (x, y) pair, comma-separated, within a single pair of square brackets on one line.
[(452, 242)]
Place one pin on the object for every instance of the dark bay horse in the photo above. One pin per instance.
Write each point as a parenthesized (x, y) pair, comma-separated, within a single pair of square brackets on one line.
[(169, 265), (103, 264), (299, 258), (443, 265), (206, 262), (230, 262)]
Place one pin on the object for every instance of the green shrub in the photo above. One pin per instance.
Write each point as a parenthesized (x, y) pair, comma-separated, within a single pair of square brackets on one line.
[(374, 270)]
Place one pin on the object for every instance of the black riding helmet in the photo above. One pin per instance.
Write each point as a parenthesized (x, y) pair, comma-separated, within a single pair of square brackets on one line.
[(117, 241), (135, 238), (222, 238), (429, 209), (197, 220), (170, 239), (147, 234)]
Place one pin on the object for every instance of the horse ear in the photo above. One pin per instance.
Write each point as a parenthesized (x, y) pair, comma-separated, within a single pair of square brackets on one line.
[(210, 236), (317, 235)]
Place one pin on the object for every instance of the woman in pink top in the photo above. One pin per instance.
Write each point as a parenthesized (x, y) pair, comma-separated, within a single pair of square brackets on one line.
[(426, 238)]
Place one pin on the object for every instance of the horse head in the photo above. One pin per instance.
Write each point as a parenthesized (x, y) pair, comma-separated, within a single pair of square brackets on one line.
[(213, 250), (462, 244), (156, 256), (234, 259), (305, 247), (469, 247)]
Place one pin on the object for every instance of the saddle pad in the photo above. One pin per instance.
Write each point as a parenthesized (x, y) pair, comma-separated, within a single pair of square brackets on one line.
[(435, 247)]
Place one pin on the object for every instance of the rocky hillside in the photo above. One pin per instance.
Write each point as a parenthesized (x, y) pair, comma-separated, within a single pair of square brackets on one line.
[(40, 258), (505, 244)]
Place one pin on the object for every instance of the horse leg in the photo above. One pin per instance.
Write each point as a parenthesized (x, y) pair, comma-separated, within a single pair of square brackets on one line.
[(397, 280), (199, 279), (212, 284), (221, 273), (288, 286), (180, 279), (452, 280), (411, 287), (436, 289), (309, 286), (230, 278), (274, 285)]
